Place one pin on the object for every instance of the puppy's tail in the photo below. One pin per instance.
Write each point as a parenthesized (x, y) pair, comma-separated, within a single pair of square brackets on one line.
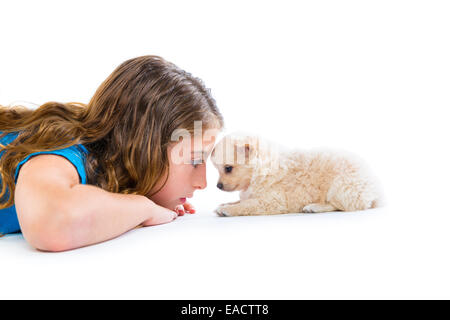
[(375, 204), (378, 202)]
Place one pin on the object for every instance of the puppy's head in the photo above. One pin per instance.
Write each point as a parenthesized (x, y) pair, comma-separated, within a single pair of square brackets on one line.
[(234, 157)]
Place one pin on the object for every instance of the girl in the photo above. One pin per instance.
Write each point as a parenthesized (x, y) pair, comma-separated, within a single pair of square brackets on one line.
[(74, 174)]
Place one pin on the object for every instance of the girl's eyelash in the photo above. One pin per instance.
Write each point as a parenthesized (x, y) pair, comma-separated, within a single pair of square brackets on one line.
[(195, 163)]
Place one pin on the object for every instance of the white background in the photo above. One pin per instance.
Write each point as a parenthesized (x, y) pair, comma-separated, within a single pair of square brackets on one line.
[(370, 77)]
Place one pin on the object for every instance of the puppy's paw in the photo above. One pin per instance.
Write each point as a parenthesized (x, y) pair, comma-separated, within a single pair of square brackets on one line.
[(311, 208), (318, 207), (230, 203), (221, 211)]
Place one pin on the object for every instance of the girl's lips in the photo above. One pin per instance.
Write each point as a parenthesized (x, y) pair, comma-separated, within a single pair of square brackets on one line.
[(183, 200)]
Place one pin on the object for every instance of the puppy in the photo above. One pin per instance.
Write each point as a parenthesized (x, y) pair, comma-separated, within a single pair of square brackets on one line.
[(274, 180)]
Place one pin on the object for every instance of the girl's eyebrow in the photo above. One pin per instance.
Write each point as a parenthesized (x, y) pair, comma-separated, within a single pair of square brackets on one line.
[(197, 152), (203, 153)]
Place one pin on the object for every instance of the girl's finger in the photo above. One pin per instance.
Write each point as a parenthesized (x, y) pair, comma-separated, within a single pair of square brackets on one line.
[(189, 207), (180, 210)]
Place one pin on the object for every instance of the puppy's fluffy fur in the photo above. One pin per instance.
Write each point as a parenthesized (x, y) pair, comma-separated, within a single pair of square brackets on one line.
[(274, 180)]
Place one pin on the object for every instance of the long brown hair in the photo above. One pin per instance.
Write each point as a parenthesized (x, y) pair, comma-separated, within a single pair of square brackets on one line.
[(126, 126)]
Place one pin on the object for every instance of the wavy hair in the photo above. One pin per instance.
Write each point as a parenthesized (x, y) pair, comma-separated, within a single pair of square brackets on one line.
[(126, 126)]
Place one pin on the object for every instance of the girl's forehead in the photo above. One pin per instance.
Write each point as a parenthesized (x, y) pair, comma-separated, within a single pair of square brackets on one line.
[(201, 146), (206, 140), (197, 143), (198, 147)]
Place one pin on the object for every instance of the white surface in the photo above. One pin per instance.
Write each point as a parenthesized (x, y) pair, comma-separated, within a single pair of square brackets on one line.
[(369, 77), (380, 253)]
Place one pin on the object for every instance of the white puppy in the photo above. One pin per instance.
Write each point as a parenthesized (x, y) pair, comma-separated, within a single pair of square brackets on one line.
[(274, 180)]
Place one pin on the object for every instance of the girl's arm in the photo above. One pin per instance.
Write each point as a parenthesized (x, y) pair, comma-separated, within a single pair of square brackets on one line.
[(99, 215), (56, 213)]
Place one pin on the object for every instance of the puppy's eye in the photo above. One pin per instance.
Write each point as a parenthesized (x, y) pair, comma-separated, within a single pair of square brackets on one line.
[(228, 169)]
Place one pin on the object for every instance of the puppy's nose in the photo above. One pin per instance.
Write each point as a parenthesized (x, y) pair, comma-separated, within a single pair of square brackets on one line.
[(220, 185)]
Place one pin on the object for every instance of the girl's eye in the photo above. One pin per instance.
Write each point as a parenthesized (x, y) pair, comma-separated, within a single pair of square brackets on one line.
[(195, 163)]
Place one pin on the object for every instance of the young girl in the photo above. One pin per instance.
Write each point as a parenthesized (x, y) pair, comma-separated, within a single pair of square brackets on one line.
[(74, 174)]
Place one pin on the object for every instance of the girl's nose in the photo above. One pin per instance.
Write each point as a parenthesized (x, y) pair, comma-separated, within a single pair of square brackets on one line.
[(200, 182)]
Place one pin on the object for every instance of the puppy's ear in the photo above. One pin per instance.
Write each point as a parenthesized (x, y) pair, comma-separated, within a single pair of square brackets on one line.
[(247, 150), (244, 150)]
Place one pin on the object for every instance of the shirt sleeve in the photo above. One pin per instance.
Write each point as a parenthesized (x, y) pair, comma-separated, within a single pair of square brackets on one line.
[(75, 154)]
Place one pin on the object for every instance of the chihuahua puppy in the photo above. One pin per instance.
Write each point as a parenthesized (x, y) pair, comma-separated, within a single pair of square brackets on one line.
[(274, 180)]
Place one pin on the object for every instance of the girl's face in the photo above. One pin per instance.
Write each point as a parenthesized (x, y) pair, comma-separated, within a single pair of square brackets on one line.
[(187, 170)]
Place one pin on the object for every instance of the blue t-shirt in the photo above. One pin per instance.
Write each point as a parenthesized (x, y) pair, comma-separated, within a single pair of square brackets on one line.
[(75, 154)]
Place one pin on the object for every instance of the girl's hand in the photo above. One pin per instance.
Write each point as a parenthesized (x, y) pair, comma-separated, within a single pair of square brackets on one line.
[(160, 215), (185, 207), (164, 215)]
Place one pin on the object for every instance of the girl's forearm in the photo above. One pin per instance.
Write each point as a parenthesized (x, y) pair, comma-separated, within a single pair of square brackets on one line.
[(97, 215)]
